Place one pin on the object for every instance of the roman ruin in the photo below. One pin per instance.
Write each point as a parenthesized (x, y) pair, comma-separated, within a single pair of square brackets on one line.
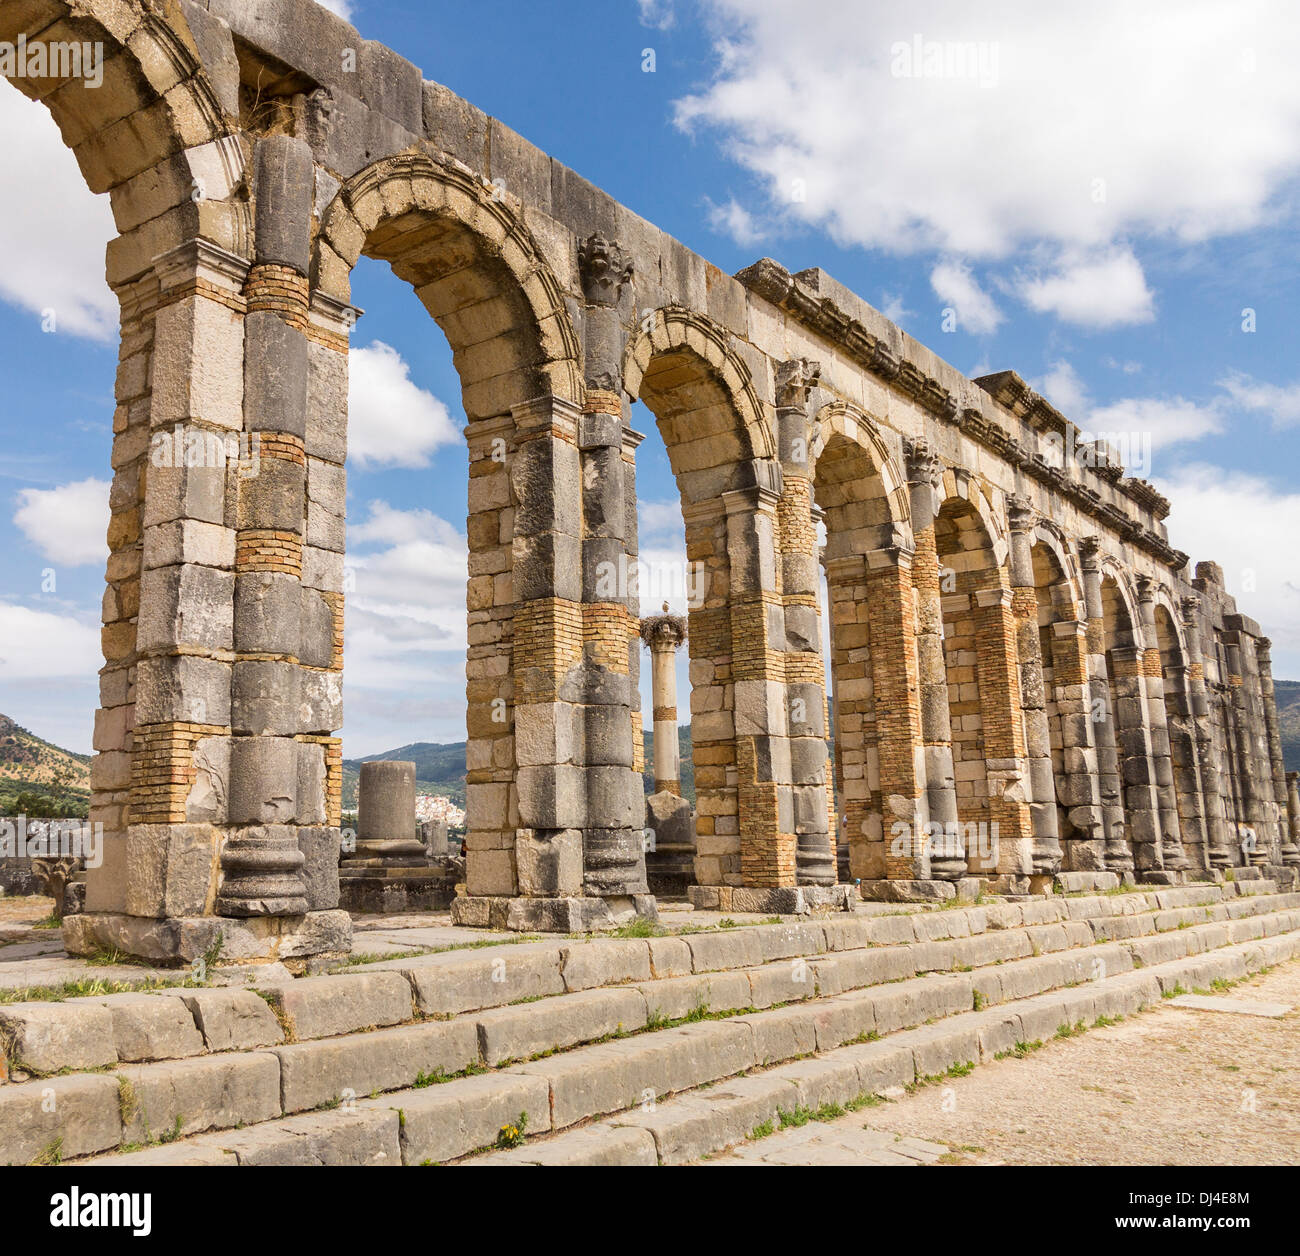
[(1031, 685)]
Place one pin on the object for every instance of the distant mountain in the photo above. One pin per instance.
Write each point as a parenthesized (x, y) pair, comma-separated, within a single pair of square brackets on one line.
[(38, 778), (1288, 717), (439, 769)]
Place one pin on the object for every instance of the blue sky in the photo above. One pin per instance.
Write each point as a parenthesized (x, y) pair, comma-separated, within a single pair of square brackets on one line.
[(1103, 202)]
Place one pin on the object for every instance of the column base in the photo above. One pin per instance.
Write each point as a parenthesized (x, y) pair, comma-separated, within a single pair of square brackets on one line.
[(1097, 882), (780, 900), (552, 915), (175, 941), (1160, 876), (387, 889)]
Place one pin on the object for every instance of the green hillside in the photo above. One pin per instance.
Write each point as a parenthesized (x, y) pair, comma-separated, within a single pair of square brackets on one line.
[(439, 769), (38, 778), (683, 751), (1288, 715)]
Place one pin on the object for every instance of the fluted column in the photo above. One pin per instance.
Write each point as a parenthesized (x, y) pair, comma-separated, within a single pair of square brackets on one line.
[(947, 848), (1033, 696)]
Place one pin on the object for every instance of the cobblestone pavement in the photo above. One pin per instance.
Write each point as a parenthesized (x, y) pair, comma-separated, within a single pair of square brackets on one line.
[(1169, 1086)]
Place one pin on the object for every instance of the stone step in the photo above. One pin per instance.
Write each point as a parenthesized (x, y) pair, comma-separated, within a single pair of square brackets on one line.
[(441, 1121), (690, 1126), (452, 1121), (80, 1034)]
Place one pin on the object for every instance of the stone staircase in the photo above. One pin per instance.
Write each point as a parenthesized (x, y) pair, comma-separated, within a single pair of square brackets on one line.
[(645, 1050)]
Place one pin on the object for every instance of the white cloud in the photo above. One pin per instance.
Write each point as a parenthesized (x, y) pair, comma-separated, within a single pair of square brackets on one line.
[(40, 645), (734, 220), (1064, 389), (53, 230), (1101, 125), (657, 518), (1248, 527), (1166, 420), (344, 8), (657, 14), (68, 524), (893, 308), (1280, 402), (1101, 290), (392, 421), (955, 286)]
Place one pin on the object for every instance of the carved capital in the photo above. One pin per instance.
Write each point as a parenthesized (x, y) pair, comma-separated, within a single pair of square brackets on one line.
[(1146, 587), (923, 464), (1191, 607), (1021, 516), (604, 268), (795, 379), (1090, 553), (663, 632)]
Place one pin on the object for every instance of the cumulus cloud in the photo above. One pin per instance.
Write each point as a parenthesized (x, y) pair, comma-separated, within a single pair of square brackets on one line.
[(53, 230), (67, 524), (344, 8), (1281, 403), (659, 15), (1102, 290), (42, 645), (1248, 526), (1073, 131), (392, 421), (734, 220), (955, 286)]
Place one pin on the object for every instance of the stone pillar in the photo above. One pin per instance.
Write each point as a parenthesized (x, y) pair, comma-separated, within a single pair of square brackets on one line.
[(761, 714), (386, 826), (1268, 699), (664, 635), (836, 782), (1033, 697), (613, 837), (1004, 740), (1153, 682), (1291, 850), (1079, 790), (1119, 857), (947, 848), (1137, 765), (805, 668), (901, 868), (1218, 853), (670, 853), (1250, 830)]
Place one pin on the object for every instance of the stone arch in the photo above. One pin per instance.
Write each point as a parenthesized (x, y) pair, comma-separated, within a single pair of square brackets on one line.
[(682, 365), (148, 124), (1051, 537), (721, 448), (473, 264), (859, 487)]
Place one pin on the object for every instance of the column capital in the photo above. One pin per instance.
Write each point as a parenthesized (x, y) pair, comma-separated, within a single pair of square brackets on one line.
[(795, 379), (1021, 516), (924, 466), (664, 632), (1146, 588), (1090, 553), (604, 268)]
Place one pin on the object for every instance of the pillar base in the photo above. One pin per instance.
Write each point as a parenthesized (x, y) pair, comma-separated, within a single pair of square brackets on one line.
[(782, 900), (180, 940), (552, 915), (1087, 882), (1160, 876), (430, 886)]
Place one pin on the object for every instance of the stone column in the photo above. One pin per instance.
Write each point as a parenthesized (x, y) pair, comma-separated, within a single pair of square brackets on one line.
[(1268, 699), (904, 871), (670, 854), (387, 834), (1119, 857), (664, 635), (613, 837), (1033, 696), (1218, 853), (1252, 799), (1079, 790), (1004, 739), (1291, 850), (1153, 682), (805, 668), (761, 714), (1137, 766), (947, 848)]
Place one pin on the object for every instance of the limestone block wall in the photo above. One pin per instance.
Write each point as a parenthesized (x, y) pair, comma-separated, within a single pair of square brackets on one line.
[(254, 150)]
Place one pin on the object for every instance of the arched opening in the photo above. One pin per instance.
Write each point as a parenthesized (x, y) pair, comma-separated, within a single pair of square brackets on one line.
[(1183, 750), (706, 418), (860, 496)]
